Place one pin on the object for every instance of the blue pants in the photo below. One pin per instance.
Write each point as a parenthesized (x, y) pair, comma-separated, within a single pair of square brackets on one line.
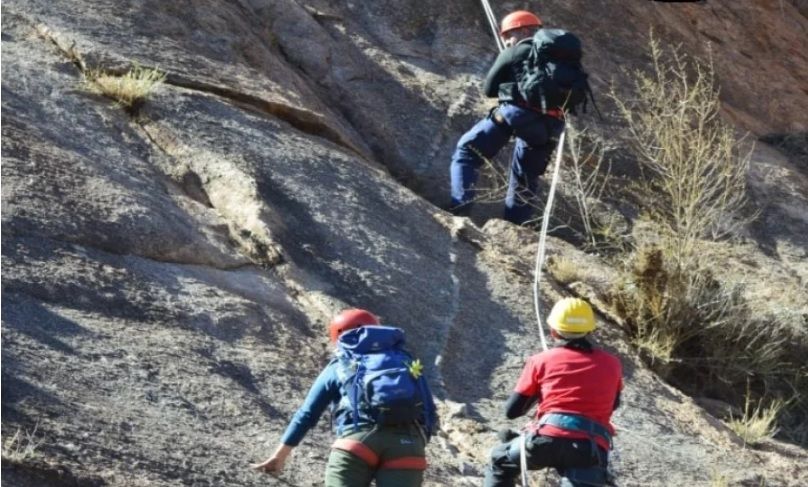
[(536, 138)]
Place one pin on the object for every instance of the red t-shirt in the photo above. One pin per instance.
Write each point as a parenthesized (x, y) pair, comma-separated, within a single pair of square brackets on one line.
[(572, 381)]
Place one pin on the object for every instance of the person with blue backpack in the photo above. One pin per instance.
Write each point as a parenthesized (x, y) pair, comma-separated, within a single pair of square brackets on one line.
[(537, 79), (577, 387), (382, 409)]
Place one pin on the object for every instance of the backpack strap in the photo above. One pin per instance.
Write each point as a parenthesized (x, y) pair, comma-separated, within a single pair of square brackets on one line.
[(357, 390), (429, 424), (592, 97)]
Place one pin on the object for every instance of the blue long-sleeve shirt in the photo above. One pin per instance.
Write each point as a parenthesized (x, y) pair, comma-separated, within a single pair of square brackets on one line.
[(324, 392)]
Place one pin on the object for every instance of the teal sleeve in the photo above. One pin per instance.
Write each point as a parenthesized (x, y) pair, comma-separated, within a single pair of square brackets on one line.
[(323, 392)]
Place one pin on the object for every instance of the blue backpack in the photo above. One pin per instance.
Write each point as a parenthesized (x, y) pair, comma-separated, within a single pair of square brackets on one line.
[(552, 76), (381, 383)]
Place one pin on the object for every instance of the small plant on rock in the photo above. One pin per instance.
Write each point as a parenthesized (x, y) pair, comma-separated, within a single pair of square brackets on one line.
[(21, 446), (129, 89), (759, 424), (564, 270)]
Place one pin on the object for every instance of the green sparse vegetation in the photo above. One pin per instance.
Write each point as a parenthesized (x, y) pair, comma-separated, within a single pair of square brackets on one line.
[(128, 89)]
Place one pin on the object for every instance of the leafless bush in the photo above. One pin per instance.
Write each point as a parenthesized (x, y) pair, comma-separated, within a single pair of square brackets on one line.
[(588, 170), (694, 167)]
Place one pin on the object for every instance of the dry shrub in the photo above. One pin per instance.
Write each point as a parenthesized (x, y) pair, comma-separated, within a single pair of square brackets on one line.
[(684, 316), (694, 168), (129, 89), (702, 335), (697, 332)]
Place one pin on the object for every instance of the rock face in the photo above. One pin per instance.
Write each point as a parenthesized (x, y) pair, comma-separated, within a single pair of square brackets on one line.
[(167, 275)]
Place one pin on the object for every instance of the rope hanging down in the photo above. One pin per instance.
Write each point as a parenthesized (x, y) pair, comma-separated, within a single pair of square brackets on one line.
[(492, 22), (545, 222), (540, 251)]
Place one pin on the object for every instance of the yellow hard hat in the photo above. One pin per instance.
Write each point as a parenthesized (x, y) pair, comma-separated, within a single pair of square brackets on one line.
[(572, 316)]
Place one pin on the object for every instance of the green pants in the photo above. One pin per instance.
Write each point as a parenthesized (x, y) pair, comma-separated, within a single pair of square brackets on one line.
[(394, 456)]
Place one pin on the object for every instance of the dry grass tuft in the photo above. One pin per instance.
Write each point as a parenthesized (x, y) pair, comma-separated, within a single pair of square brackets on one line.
[(21, 446), (129, 89), (693, 329), (564, 270), (759, 424)]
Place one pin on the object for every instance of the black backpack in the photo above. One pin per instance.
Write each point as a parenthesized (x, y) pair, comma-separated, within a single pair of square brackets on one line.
[(552, 76)]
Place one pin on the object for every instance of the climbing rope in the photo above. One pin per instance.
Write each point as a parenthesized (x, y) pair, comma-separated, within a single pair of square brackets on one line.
[(492, 22), (545, 222), (537, 280), (540, 252)]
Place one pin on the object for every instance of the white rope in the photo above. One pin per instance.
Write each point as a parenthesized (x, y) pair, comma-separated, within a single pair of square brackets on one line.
[(523, 459), (492, 22), (543, 235), (537, 280)]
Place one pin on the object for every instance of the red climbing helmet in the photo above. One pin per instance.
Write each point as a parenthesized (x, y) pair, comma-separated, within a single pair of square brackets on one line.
[(350, 319), (518, 19)]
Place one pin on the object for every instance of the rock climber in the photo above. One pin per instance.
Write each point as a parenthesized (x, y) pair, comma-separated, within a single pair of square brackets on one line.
[(382, 410), (577, 387), (536, 131)]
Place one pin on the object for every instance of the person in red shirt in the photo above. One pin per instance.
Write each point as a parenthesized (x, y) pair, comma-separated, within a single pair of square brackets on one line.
[(577, 388)]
